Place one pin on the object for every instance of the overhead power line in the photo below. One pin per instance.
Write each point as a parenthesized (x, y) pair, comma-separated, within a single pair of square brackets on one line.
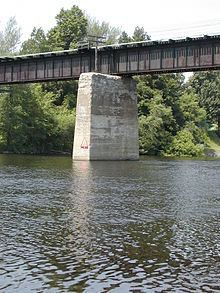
[(187, 27)]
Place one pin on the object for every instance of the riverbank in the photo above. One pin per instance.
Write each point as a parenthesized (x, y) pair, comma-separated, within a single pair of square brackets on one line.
[(213, 149)]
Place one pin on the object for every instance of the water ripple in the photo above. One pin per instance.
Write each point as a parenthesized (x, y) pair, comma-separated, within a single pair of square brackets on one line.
[(148, 226)]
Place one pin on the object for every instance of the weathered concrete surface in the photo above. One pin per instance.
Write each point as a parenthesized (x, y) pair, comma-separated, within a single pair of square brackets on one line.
[(106, 118)]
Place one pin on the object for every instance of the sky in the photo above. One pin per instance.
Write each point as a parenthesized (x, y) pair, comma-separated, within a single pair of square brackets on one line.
[(160, 18)]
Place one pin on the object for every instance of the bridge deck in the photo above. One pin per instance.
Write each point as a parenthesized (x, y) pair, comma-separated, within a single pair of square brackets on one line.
[(190, 54)]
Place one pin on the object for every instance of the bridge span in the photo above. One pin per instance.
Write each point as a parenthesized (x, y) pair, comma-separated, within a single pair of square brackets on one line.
[(189, 54), (106, 126)]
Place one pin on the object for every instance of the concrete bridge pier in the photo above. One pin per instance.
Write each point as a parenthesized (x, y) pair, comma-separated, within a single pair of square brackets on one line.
[(106, 125)]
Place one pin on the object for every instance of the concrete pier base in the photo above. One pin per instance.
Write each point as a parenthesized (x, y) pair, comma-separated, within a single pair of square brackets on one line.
[(106, 118)]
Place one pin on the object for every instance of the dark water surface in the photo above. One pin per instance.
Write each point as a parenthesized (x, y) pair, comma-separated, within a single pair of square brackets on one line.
[(147, 226)]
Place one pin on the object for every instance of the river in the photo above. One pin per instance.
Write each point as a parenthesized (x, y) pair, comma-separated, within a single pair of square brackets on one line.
[(146, 226)]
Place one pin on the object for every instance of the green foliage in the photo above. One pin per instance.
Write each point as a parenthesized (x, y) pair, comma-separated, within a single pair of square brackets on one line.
[(214, 141), (124, 38), (140, 35), (155, 129), (165, 109), (145, 91), (207, 86), (30, 123), (59, 122), (65, 120), (169, 87), (70, 28), (199, 133), (63, 92), (37, 43), (184, 145), (10, 118), (191, 111)]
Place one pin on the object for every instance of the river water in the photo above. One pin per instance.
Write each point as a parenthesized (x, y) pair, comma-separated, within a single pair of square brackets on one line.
[(147, 226)]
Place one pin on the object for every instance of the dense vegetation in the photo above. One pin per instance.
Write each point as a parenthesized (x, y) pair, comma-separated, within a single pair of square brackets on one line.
[(175, 118)]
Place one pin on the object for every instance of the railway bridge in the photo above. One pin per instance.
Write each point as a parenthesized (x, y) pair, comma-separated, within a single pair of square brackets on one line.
[(106, 117)]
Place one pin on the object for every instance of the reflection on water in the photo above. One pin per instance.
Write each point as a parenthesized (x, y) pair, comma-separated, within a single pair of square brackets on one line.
[(147, 226)]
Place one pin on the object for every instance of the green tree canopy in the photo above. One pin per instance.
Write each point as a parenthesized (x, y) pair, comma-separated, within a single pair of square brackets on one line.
[(207, 86), (191, 111), (124, 38), (37, 42), (140, 34), (70, 28), (31, 123), (155, 129), (184, 145)]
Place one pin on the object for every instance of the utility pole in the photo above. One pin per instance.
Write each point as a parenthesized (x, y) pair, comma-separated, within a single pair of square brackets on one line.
[(93, 42), (96, 40), (96, 56)]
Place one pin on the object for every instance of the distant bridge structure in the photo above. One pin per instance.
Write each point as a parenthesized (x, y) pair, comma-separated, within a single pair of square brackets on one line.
[(147, 57)]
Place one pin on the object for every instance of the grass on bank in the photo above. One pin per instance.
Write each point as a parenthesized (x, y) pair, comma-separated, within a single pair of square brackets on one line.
[(214, 140), (214, 143)]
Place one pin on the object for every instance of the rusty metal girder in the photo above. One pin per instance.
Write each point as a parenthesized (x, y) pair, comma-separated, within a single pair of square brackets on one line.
[(122, 59)]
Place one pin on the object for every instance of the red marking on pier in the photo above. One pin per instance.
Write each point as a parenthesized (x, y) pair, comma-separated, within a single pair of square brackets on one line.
[(84, 144)]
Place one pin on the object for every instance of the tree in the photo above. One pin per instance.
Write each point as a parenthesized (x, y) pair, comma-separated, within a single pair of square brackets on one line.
[(97, 28), (162, 119), (140, 35), (37, 42), (191, 112), (64, 92), (21, 122), (10, 37), (8, 118), (207, 86), (31, 123), (155, 129), (124, 38), (30, 120), (184, 145), (169, 86), (9, 40), (70, 28), (191, 139)]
